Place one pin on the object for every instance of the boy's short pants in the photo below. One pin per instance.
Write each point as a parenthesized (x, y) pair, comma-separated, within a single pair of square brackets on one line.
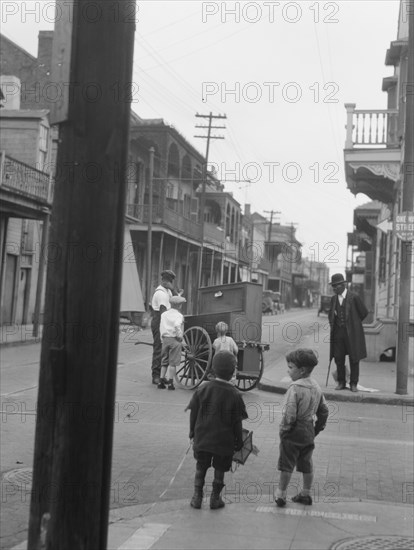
[(171, 348), (206, 459), (296, 448)]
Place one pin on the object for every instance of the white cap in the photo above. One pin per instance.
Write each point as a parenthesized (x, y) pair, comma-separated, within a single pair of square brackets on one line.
[(177, 300)]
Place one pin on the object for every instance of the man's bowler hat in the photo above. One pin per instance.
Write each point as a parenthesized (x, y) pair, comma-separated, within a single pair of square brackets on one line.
[(337, 279), (168, 274)]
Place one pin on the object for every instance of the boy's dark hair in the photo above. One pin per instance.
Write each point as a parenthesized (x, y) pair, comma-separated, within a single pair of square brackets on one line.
[(224, 363), (303, 358)]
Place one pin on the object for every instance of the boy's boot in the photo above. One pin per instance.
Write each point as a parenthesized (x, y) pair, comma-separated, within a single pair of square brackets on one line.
[(215, 499), (197, 499), (162, 384), (171, 384)]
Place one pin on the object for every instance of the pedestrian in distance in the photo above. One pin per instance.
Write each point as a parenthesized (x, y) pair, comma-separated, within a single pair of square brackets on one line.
[(303, 401), (171, 330), (217, 411), (346, 313), (160, 302)]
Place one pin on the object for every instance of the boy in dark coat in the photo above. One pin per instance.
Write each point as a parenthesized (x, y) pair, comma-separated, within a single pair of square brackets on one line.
[(217, 411)]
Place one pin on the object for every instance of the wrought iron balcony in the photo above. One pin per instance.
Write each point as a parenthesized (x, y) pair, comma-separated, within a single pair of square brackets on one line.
[(183, 225), (22, 179), (166, 217), (25, 192)]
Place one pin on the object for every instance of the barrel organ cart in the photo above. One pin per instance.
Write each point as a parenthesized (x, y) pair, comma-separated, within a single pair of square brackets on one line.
[(240, 306)]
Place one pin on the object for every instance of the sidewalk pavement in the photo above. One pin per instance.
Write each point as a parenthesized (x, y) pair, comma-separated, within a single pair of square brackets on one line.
[(346, 525), (377, 380)]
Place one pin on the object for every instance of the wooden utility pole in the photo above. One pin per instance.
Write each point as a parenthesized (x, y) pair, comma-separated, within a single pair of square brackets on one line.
[(75, 409), (203, 191), (291, 259), (149, 236), (271, 212), (407, 205)]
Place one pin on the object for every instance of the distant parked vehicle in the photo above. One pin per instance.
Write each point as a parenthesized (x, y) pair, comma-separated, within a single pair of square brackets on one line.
[(271, 302)]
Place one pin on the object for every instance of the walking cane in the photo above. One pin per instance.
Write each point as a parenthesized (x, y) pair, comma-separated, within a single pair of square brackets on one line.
[(329, 369), (184, 344), (145, 343)]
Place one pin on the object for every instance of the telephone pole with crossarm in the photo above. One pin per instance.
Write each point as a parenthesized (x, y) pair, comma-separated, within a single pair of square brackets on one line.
[(209, 127)]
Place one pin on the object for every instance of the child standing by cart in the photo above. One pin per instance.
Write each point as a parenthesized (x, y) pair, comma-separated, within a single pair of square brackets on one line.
[(303, 401), (171, 330), (217, 412), (224, 342)]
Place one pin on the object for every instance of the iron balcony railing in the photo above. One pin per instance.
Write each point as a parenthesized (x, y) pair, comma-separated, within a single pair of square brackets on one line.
[(165, 216), (182, 224), (25, 180)]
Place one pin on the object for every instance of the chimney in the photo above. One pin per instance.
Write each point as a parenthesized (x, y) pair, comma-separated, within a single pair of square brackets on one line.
[(44, 52), (247, 209), (44, 67)]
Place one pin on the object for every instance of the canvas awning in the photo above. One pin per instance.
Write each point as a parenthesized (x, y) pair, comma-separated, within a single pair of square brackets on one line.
[(131, 293)]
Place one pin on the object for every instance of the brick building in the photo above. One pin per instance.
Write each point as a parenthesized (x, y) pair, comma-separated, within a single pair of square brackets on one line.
[(26, 184)]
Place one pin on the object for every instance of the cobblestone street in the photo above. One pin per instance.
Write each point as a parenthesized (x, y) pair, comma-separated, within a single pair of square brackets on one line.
[(364, 454)]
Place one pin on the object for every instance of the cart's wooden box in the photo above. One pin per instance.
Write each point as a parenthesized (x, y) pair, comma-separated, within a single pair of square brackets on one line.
[(237, 304), (240, 306)]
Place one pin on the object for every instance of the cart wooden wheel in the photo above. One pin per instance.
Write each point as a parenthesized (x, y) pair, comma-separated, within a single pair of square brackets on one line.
[(246, 382), (195, 358)]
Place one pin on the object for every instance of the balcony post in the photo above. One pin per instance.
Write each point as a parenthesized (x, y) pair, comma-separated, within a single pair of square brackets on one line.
[(2, 159), (212, 267), (350, 109), (41, 274)]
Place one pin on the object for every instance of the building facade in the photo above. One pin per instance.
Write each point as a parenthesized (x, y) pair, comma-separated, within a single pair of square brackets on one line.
[(374, 157), (28, 156), (180, 232), (177, 215), (310, 281)]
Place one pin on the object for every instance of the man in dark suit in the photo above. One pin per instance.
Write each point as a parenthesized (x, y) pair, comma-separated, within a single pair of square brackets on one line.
[(346, 313)]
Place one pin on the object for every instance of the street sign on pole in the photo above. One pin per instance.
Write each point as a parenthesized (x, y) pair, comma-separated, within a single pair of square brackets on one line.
[(404, 226)]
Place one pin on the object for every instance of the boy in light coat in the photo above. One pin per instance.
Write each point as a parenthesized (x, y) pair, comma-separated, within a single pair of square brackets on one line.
[(304, 402)]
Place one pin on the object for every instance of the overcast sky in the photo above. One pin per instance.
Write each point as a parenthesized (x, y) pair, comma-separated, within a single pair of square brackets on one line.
[(281, 73)]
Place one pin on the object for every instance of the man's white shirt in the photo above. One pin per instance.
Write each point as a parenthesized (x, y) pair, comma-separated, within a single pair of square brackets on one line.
[(161, 297), (341, 297)]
